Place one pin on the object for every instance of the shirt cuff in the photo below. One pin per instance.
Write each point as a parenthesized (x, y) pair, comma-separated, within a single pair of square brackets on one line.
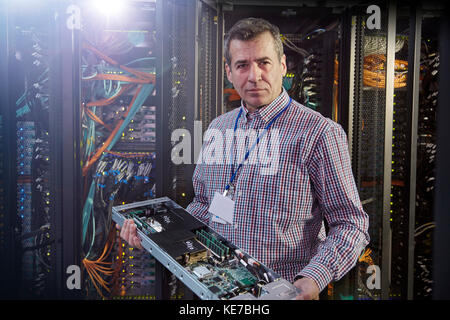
[(317, 272)]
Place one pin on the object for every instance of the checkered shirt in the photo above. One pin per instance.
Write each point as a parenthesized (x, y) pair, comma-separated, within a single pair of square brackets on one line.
[(279, 217)]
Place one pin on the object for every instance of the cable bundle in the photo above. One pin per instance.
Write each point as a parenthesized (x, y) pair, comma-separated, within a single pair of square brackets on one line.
[(291, 45), (375, 71), (100, 268), (117, 177), (141, 82), (376, 45), (33, 225)]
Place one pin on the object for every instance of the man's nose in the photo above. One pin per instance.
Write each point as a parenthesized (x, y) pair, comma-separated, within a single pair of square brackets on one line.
[(254, 73)]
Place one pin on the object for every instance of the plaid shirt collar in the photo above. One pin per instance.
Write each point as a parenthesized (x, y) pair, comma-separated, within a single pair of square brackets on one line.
[(268, 112)]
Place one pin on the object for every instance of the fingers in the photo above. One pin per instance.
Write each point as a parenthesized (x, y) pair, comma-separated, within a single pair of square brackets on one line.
[(128, 232), (135, 241), (124, 230), (306, 296)]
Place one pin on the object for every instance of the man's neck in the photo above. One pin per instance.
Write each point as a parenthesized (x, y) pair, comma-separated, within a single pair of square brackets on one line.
[(253, 109)]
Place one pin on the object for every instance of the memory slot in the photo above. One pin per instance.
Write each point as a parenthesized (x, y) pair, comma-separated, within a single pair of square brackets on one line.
[(212, 243)]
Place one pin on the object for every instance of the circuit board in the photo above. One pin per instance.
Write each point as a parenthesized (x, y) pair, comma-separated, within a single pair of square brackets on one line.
[(208, 264)]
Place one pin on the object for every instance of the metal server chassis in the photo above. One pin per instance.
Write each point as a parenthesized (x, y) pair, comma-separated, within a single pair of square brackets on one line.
[(276, 290)]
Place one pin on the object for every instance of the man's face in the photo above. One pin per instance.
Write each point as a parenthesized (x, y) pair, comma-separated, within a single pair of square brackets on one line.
[(255, 70)]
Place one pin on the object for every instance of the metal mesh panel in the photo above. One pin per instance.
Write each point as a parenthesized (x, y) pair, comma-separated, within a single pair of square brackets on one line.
[(180, 102), (400, 169), (180, 77), (207, 62), (179, 62), (193, 80), (368, 147)]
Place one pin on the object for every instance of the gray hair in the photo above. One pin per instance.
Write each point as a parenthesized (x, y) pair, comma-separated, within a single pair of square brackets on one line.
[(250, 28)]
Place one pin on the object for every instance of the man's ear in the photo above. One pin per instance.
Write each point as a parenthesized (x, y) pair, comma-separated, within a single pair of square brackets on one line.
[(228, 70), (283, 64)]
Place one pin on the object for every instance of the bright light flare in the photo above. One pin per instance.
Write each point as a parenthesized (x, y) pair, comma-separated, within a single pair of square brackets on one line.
[(109, 7)]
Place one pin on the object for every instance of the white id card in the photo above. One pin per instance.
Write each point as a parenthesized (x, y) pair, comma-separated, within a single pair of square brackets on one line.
[(222, 209)]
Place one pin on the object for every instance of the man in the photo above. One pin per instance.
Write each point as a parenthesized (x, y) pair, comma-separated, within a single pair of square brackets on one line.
[(278, 217)]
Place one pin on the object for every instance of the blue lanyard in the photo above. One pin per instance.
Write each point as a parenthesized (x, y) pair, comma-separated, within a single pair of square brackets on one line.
[(233, 176)]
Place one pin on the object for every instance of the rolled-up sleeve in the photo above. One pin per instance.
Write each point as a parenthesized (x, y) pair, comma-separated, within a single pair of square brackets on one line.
[(335, 189)]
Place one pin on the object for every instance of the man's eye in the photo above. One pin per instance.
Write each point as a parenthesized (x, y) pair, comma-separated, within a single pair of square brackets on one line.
[(240, 66)]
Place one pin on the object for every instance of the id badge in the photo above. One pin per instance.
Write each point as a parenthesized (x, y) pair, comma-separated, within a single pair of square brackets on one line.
[(222, 209)]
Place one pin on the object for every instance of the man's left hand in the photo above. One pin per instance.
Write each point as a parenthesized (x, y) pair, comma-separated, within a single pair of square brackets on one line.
[(308, 289)]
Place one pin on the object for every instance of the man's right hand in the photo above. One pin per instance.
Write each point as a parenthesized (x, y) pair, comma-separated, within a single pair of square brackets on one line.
[(128, 232)]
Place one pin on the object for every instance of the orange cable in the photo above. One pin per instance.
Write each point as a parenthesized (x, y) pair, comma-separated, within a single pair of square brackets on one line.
[(93, 268), (374, 74), (96, 119), (108, 101), (119, 77), (93, 280), (139, 74), (100, 150)]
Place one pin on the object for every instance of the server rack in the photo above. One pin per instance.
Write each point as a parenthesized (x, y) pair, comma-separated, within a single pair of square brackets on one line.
[(175, 28), (189, 36), (58, 31), (387, 146), (441, 239), (40, 156), (7, 163)]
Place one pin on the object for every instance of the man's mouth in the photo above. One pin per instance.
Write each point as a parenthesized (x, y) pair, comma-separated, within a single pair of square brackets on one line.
[(255, 90)]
